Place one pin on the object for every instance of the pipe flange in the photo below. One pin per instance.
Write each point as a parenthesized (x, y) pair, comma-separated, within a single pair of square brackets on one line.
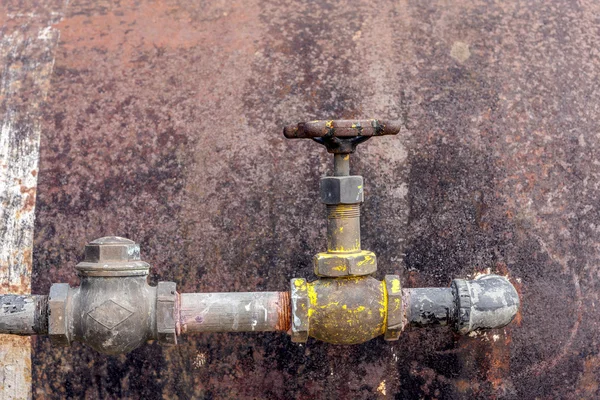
[(300, 306), (395, 313), (166, 309)]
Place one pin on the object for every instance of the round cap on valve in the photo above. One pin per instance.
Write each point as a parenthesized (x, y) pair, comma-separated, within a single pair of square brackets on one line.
[(112, 256)]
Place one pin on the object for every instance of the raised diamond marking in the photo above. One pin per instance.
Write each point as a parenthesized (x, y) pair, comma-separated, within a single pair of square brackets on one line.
[(110, 314)]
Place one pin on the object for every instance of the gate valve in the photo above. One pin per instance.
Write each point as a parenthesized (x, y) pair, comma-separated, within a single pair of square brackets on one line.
[(114, 310), (347, 305)]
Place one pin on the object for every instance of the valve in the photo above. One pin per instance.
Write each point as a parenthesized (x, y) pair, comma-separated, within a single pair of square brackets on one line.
[(347, 305)]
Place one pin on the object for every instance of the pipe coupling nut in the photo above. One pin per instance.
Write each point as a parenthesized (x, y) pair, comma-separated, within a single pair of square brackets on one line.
[(396, 320), (166, 311), (300, 306)]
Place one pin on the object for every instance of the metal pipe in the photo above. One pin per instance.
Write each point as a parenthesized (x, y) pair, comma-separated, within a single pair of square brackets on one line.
[(234, 312), (341, 164), (24, 314), (487, 302), (428, 306), (343, 228)]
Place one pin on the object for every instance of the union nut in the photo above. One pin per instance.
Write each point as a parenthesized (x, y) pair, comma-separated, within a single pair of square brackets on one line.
[(58, 314), (395, 312), (300, 306), (166, 311)]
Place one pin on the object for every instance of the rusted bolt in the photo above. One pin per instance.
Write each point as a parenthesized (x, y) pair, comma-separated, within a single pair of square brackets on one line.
[(395, 313)]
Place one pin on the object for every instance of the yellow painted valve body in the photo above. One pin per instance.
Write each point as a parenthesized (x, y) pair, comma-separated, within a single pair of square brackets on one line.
[(347, 310)]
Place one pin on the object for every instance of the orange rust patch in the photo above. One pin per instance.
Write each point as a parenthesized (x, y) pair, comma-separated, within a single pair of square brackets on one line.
[(462, 385), (29, 194), (499, 361), (150, 26), (16, 363)]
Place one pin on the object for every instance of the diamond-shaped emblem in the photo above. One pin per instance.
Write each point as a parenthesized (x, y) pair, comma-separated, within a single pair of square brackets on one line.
[(110, 314)]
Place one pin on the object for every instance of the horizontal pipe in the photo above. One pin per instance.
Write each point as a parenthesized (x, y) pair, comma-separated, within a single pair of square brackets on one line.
[(487, 302), (234, 312), (429, 306), (23, 314)]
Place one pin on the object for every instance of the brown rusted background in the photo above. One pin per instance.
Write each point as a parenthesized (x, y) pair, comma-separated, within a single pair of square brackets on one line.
[(163, 124)]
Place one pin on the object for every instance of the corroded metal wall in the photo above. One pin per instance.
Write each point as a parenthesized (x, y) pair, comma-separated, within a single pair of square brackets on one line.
[(163, 124)]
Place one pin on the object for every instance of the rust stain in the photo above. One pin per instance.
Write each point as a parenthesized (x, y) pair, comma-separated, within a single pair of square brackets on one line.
[(201, 227), (284, 312), (29, 195), (132, 28), (15, 371), (588, 383)]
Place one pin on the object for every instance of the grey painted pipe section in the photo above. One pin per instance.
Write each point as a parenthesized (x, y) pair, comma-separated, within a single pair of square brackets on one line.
[(233, 312), (23, 314), (487, 302), (429, 306)]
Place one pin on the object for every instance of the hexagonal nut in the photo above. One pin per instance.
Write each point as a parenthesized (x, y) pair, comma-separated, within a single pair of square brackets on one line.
[(166, 305), (300, 306), (342, 189), (112, 248), (395, 313), (58, 314), (345, 264)]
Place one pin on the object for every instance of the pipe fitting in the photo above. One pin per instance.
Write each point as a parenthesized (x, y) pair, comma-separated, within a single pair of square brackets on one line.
[(114, 310), (490, 301), (356, 309), (338, 310), (396, 318)]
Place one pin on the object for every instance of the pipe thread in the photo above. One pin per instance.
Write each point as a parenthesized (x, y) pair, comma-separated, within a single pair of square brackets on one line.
[(284, 322), (339, 211)]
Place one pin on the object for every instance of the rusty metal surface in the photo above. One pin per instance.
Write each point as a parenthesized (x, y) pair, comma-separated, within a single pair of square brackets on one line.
[(163, 124), (27, 44)]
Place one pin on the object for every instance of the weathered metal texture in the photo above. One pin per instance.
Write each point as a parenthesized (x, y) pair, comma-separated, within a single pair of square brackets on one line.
[(24, 314), (342, 189), (234, 312), (429, 306), (27, 44), (395, 320), (490, 301), (342, 129), (163, 124), (59, 312), (300, 305), (167, 313), (349, 310)]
